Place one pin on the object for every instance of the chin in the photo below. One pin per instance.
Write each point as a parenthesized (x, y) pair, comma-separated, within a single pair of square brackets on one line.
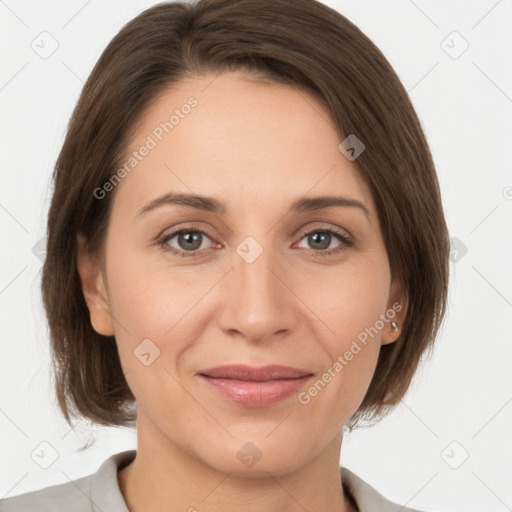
[(256, 459)]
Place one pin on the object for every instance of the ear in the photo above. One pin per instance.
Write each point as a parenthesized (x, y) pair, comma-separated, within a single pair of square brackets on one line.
[(94, 289), (396, 311)]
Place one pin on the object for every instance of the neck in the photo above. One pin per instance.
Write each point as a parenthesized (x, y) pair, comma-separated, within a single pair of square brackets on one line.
[(173, 479)]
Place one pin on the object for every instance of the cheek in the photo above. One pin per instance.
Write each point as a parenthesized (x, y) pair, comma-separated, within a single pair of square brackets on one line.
[(156, 321), (350, 300), (148, 295), (351, 304), (153, 300)]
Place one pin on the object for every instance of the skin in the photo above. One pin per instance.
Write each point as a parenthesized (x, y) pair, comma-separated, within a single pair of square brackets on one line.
[(257, 147)]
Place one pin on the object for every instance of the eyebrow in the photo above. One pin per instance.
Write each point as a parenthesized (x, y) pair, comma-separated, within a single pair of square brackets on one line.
[(212, 205)]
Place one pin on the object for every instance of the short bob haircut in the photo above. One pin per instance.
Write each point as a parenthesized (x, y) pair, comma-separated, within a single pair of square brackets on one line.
[(301, 43)]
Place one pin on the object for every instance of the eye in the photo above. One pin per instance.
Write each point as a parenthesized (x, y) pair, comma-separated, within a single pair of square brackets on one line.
[(189, 242), (321, 239)]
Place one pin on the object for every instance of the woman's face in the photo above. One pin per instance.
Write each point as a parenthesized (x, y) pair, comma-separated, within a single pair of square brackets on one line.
[(256, 282)]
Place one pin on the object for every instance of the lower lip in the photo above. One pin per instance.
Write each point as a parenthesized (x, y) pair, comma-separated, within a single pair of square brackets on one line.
[(253, 393)]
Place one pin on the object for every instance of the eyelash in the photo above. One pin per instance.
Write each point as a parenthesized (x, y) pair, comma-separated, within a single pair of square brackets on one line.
[(346, 242)]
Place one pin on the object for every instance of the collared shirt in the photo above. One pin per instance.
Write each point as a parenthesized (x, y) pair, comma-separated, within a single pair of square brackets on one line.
[(100, 492)]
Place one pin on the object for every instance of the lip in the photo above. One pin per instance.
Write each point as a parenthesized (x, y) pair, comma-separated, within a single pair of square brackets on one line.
[(246, 372), (255, 387)]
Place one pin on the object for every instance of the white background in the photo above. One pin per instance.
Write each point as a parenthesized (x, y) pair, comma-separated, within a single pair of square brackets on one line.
[(464, 394)]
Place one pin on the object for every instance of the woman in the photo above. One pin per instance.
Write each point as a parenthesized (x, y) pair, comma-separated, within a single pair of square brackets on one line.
[(247, 254)]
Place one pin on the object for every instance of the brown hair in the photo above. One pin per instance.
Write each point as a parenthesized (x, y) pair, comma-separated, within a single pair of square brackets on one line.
[(302, 43)]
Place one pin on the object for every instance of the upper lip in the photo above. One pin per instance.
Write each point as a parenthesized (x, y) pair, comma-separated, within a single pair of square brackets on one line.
[(245, 372)]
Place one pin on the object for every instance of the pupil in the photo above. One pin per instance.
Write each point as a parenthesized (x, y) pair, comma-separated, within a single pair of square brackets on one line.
[(188, 237), (325, 236)]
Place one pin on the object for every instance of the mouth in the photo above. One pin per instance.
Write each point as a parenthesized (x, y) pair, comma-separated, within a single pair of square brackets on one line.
[(251, 373), (255, 387)]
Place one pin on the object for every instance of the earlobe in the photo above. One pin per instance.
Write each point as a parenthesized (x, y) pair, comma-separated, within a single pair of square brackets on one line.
[(395, 313), (391, 332), (94, 289)]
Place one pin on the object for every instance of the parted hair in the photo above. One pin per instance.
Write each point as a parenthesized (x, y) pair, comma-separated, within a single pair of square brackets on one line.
[(301, 43)]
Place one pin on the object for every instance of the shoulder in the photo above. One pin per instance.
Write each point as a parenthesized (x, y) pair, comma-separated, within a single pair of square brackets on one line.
[(367, 497), (70, 496), (96, 492)]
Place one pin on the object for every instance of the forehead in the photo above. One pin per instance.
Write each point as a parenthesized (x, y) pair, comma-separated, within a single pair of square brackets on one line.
[(247, 143)]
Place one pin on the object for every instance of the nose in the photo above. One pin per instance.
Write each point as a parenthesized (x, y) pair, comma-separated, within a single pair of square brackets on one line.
[(258, 300)]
